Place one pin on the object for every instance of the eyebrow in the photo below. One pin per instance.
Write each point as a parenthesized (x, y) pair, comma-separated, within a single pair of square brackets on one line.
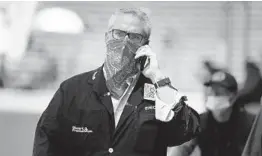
[(143, 34)]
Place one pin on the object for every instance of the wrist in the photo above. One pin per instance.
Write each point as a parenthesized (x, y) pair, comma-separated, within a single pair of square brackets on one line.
[(157, 77)]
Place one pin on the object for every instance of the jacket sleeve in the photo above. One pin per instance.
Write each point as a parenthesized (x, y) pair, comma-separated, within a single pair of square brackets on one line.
[(47, 129), (184, 126)]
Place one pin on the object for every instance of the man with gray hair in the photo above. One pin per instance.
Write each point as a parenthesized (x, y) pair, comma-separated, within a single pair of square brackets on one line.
[(126, 107)]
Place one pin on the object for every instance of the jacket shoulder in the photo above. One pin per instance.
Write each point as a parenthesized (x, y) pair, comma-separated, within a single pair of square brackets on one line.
[(81, 79)]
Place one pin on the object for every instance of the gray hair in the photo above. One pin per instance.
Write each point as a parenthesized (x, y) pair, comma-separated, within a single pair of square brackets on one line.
[(137, 12)]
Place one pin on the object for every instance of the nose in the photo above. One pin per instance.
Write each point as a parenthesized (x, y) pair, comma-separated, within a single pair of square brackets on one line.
[(124, 45)]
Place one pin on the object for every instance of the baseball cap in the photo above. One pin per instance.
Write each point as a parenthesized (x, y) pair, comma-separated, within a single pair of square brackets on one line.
[(223, 79)]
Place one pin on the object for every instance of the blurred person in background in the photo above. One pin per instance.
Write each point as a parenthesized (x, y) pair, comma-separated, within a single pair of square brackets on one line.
[(225, 126), (2, 70), (4, 43), (119, 108), (37, 69)]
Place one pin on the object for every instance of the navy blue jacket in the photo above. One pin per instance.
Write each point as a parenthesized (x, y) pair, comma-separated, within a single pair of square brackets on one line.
[(79, 121)]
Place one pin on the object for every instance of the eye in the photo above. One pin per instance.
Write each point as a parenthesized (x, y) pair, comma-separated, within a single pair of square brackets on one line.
[(136, 37), (119, 33)]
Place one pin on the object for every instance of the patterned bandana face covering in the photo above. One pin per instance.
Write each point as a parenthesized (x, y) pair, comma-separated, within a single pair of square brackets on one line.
[(119, 64)]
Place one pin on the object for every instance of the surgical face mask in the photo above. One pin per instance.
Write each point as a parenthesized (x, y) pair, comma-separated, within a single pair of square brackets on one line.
[(120, 64), (214, 103), (220, 107)]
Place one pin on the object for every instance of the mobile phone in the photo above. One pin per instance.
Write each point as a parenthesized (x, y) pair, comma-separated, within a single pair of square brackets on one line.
[(142, 59)]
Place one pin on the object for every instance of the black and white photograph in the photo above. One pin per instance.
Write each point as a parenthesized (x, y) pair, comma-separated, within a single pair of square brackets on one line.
[(130, 78)]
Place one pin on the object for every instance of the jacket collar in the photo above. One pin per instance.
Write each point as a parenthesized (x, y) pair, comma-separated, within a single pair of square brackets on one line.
[(99, 82), (99, 87)]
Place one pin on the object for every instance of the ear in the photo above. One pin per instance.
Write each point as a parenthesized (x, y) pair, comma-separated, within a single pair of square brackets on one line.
[(106, 36)]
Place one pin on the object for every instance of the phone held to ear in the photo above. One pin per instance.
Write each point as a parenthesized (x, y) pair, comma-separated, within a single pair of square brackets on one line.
[(142, 62), (142, 59)]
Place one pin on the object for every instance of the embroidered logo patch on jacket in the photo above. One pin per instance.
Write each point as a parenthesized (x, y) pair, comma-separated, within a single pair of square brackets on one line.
[(81, 129)]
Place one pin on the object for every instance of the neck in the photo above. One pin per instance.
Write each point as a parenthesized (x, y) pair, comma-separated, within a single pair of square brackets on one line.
[(119, 91)]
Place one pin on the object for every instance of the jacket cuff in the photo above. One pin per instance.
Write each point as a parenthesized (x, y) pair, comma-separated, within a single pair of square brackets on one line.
[(164, 112)]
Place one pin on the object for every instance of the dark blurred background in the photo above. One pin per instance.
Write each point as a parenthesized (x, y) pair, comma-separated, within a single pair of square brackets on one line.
[(43, 43)]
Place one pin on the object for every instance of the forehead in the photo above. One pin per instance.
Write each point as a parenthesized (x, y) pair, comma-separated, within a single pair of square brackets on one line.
[(129, 23)]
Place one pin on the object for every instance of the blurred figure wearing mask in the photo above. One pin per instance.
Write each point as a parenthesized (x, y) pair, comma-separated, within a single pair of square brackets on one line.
[(37, 68), (225, 126), (124, 108)]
